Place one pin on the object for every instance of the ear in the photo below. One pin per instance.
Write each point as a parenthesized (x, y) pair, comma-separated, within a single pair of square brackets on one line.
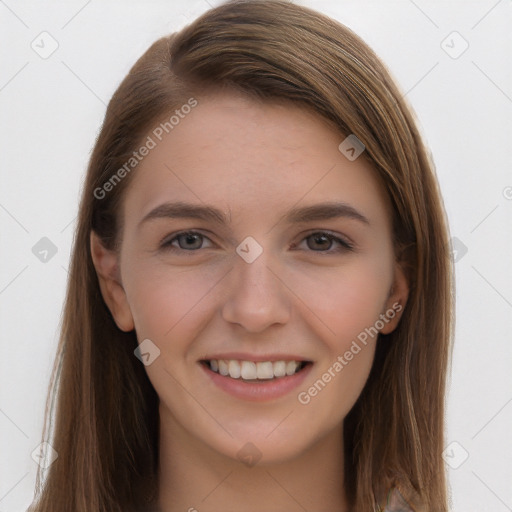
[(106, 263), (396, 300)]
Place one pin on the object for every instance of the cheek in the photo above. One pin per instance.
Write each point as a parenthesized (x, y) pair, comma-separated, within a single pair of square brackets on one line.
[(347, 299), (349, 302), (350, 305), (166, 302)]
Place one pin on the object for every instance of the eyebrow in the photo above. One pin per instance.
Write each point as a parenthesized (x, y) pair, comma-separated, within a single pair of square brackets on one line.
[(316, 212)]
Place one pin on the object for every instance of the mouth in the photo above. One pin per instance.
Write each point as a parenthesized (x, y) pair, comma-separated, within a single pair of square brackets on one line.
[(255, 371), (268, 378)]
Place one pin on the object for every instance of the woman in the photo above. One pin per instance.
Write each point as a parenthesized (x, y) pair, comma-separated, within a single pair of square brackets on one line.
[(259, 307)]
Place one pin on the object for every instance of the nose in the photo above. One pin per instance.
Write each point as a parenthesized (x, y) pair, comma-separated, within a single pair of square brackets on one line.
[(257, 296)]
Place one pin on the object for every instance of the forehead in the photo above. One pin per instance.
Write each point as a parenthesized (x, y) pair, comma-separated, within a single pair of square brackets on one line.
[(251, 157)]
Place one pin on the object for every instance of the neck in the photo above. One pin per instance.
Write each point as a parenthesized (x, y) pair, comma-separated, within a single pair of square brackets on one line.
[(195, 478)]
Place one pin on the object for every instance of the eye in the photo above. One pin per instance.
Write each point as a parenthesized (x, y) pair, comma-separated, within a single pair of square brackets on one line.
[(319, 241), (323, 241), (186, 240)]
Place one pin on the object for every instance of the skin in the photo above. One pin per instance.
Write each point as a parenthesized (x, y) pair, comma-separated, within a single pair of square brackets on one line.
[(254, 161)]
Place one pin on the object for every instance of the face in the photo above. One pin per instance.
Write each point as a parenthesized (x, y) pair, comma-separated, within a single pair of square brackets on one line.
[(253, 275)]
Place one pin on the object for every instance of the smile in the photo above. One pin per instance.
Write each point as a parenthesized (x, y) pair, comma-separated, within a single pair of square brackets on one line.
[(256, 381), (251, 370)]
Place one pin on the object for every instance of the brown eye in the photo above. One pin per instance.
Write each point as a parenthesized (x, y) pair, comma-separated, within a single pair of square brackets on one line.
[(326, 242), (319, 242)]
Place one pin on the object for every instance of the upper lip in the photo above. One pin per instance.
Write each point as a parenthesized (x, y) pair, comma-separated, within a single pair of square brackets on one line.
[(239, 356)]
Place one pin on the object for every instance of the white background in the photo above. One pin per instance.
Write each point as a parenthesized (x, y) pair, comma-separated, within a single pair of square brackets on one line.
[(51, 113)]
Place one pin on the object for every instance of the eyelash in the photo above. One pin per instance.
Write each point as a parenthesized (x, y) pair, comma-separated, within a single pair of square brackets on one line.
[(345, 246)]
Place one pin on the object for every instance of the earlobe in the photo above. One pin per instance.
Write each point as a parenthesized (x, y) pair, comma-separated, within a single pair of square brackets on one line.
[(106, 263), (396, 301)]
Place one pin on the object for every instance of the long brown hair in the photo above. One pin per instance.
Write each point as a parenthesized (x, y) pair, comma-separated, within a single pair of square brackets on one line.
[(105, 426)]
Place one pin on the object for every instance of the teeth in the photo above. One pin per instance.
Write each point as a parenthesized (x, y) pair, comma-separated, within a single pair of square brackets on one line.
[(223, 367), (265, 370), (234, 369), (291, 366), (279, 368), (249, 370)]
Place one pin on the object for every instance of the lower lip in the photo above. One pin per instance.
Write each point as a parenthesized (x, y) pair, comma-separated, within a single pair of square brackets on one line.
[(258, 391)]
